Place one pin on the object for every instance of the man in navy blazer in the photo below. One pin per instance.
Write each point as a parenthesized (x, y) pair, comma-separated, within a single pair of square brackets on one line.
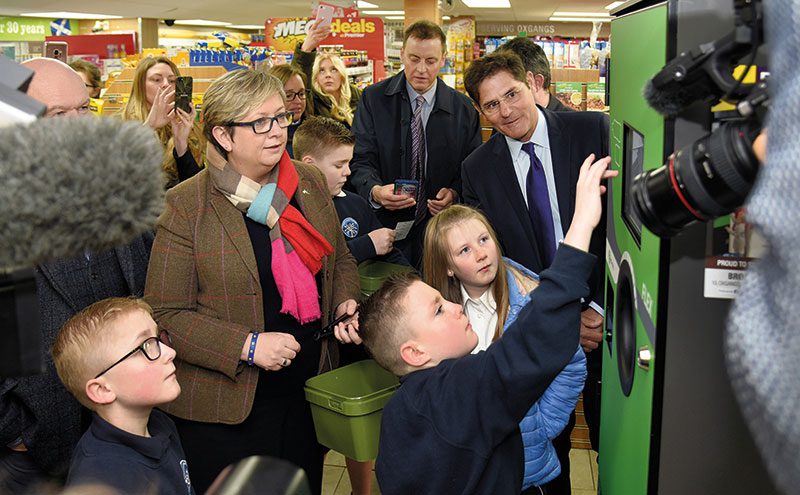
[(495, 180), (383, 149)]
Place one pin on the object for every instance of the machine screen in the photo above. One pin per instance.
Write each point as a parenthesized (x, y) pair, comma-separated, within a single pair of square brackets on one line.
[(632, 165)]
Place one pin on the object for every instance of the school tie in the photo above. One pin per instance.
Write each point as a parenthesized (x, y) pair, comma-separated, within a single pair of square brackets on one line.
[(418, 158), (539, 207)]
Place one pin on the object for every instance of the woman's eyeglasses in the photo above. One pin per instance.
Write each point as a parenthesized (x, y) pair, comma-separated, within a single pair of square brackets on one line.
[(264, 124), (291, 95), (151, 348)]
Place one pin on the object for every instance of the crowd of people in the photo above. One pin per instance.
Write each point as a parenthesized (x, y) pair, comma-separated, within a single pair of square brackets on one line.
[(187, 350)]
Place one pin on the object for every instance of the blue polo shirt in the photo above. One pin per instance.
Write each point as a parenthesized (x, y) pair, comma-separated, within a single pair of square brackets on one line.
[(131, 463)]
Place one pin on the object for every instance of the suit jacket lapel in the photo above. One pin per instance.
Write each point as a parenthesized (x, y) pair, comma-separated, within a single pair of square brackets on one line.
[(125, 258), (233, 223), (507, 177), (561, 155), (51, 271)]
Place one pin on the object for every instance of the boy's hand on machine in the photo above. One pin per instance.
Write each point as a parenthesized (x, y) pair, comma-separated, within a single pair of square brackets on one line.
[(588, 206)]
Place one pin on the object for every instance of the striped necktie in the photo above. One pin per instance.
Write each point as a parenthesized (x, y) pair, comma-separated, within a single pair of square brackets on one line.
[(418, 158)]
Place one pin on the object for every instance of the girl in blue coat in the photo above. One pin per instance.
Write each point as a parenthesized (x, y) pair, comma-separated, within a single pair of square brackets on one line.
[(462, 260)]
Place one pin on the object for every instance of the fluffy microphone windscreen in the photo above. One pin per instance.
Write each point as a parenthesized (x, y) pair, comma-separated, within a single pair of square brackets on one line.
[(670, 99), (76, 184)]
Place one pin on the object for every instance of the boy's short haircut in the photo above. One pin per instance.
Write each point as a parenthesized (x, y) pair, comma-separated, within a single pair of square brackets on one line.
[(318, 136), (425, 30), (79, 351), (382, 321)]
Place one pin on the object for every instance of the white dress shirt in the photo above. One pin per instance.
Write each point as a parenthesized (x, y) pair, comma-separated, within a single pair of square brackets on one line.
[(482, 314)]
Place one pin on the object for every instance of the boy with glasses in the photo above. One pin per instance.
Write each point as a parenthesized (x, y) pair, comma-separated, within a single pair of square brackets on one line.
[(113, 359)]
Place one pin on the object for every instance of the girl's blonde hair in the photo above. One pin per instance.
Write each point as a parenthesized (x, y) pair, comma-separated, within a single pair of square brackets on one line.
[(437, 259), (340, 110), (138, 109)]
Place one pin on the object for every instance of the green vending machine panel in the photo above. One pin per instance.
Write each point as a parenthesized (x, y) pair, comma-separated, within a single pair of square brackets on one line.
[(669, 421), (632, 255)]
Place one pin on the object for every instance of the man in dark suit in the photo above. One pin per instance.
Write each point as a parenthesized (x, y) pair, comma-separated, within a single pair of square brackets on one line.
[(535, 62), (524, 179), (413, 126), (40, 422)]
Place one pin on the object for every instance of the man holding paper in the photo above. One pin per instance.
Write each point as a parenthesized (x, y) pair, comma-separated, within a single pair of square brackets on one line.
[(412, 133)]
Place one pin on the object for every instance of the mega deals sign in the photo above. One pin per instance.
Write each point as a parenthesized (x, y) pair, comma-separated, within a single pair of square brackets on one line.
[(353, 33)]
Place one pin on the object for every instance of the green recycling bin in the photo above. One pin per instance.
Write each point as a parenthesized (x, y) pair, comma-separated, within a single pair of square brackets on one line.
[(347, 405)]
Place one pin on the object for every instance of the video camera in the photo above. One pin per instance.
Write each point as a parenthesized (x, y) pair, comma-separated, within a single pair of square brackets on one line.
[(713, 175)]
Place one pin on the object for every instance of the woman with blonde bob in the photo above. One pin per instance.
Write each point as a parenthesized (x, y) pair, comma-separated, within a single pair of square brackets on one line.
[(249, 261), (462, 260), (152, 101), (333, 94)]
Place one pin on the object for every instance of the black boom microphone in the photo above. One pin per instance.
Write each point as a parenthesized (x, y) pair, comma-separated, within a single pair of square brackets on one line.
[(76, 184)]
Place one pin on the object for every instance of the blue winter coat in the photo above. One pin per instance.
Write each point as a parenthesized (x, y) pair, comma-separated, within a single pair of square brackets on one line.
[(549, 415)]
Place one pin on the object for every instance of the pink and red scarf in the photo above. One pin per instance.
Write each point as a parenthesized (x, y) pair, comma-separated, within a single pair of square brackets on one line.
[(297, 247)]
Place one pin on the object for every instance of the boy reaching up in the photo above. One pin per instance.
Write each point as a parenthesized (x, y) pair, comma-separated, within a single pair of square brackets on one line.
[(115, 361), (453, 425)]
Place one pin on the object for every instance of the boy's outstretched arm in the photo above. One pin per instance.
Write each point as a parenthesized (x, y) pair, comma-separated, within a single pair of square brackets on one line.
[(588, 204)]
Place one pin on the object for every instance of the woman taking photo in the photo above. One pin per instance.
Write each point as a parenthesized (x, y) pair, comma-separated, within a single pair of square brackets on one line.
[(297, 101), (333, 95), (152, 101), (248, 262)]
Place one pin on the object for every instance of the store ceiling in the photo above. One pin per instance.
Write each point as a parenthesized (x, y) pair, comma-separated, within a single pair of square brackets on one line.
[(255, 11)]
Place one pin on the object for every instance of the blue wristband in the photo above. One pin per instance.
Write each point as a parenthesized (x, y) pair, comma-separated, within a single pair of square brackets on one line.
[(252, 350)]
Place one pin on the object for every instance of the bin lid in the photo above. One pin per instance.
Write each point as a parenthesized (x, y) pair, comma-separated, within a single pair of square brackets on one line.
[(374, 272), (353, 390)]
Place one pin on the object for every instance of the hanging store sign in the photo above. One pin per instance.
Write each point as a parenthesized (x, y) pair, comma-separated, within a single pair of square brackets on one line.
[(514, 28), (353, 33), (25, 28)]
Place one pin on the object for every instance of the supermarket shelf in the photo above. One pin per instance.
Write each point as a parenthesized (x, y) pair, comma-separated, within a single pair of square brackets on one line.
[(359, 71)]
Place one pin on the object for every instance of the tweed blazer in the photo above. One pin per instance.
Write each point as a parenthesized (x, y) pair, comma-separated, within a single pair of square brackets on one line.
[(204, 288)]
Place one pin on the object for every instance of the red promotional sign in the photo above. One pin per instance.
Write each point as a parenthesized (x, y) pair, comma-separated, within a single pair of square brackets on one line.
[(353, 33)]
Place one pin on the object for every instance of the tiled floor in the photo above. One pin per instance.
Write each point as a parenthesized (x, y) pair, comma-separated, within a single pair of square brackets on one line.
[(583, 463)]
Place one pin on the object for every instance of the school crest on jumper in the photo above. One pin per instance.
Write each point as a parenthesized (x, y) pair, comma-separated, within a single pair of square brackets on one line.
[(350, 227)]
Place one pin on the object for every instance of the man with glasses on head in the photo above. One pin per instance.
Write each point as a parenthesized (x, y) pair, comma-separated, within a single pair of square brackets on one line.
[(40, 422), (412, 126), (523, 178)]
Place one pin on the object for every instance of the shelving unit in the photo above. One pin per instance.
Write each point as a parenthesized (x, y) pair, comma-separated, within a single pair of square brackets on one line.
[(362, 75)]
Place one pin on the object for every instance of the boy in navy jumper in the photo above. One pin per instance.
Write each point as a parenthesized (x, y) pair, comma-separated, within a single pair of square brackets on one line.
[(453, 425), (115, 361), (328, 145)]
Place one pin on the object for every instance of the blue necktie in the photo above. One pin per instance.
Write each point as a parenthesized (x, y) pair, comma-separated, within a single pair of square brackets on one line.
[(539, 207)]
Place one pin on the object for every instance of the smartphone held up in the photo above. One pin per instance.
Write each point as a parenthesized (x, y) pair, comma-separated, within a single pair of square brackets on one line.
[(183, 93)]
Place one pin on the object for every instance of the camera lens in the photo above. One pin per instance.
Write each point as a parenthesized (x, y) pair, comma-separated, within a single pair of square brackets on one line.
[(709, 178)]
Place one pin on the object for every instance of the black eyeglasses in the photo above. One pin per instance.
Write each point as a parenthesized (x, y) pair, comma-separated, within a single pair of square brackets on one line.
[(264, 124), (291, 95), (151, 348)]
